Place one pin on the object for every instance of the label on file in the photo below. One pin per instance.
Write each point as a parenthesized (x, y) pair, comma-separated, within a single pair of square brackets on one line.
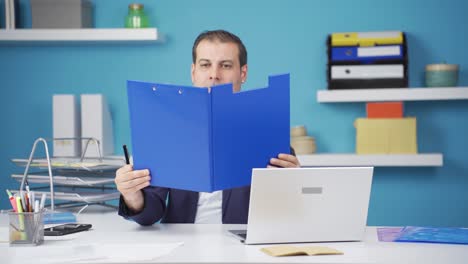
[(367, 71), (366, 55), (379, 34), (379, 51)]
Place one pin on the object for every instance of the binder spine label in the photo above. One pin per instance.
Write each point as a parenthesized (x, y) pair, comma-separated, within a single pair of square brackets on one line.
[(367, 72), (379, 51)]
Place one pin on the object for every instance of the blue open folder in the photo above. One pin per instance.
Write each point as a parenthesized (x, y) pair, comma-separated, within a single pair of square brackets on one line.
[(448, 235), (59, 218), (193, 139)]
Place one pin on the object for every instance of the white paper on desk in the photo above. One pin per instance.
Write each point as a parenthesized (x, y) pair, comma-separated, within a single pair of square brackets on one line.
[(119, 253), (4, 234)]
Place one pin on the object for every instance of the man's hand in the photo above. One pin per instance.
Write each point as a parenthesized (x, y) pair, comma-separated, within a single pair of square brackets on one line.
[(284, 161), (129, 183)]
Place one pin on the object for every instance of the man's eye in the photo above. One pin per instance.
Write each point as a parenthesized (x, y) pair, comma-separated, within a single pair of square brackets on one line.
[(227, 66), (204, 65)]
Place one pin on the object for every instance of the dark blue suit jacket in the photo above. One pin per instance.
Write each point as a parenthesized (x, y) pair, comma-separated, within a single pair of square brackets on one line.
[(182, 206)]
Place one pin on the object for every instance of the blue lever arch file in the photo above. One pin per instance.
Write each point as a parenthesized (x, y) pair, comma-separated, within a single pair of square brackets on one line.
[(367, 55), (193, 139)]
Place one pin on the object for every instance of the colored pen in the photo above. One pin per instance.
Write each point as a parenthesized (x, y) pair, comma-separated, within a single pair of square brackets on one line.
[(22, 196), (36, 206), (19, 206), (127, 158), (21, 218), (27, 197), (26, 202), (31, 201), (43, 197), (12, 200)]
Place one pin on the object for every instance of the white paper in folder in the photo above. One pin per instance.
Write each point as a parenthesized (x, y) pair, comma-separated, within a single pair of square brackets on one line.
[(96, 122)]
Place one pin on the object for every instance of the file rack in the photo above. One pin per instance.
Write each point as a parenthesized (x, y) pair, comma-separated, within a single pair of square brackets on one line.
[(75, 181)]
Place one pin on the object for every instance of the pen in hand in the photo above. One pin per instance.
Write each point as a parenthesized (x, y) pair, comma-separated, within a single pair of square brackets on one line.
[(127, 158), (130, 182)]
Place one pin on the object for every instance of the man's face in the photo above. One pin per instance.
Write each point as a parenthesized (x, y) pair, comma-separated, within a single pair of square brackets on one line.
[(218, 63)]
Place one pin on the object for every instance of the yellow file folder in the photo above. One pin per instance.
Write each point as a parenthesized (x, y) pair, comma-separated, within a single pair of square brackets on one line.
[(367, 38), (386, 136)]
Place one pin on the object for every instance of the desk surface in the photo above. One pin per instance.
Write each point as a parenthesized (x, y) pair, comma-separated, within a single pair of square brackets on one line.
[(213, 244)]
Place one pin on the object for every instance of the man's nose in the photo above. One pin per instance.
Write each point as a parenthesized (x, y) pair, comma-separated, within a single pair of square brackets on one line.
[(214, 74)]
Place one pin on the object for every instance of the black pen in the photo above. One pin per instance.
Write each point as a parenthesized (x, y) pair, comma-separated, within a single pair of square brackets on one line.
[(127, 159)]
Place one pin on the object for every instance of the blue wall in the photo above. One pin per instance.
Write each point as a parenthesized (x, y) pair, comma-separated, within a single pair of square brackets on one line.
[(281, 36)]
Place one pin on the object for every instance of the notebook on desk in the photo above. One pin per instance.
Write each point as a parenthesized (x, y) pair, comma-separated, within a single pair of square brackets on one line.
[(293, 205)]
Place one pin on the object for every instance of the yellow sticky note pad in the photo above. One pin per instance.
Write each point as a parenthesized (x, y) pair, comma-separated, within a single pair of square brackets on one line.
[(386, 136), (282, 251)]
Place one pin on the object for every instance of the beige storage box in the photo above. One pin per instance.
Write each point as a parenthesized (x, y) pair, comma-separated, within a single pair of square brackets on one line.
[(386, 136)]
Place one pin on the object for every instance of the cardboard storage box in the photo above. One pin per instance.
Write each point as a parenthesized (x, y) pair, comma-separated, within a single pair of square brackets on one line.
[(386, 136), (385, 110), (61, 14)]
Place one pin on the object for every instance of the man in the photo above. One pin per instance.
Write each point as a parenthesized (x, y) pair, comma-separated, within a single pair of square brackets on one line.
[(219, 57)]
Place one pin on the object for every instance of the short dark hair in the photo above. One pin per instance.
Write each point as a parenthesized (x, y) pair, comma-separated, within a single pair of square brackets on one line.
[(222, 36)]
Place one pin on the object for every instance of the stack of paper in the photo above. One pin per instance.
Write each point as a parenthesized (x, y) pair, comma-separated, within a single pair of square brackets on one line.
[(74, 163), (65, 180), (90, 196)]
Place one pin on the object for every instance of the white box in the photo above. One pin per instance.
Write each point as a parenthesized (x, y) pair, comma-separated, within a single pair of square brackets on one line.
[(66, 124), (61, 14), (96, 122)]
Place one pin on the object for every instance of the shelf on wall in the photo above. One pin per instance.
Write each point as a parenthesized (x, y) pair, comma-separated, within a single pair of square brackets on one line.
[(80, 35), (392, 94), (374, 160)]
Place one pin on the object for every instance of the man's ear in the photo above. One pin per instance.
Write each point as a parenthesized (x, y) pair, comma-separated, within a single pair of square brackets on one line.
[(192, 72), (244, 73)]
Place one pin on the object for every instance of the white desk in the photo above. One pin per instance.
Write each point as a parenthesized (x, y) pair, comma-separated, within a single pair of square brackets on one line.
[(212, 244)]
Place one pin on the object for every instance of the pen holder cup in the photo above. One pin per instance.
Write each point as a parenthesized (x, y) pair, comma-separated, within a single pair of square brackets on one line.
[(26, 229)]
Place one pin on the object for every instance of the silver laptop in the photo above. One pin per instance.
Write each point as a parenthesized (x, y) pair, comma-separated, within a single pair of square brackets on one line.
[(293, 205)]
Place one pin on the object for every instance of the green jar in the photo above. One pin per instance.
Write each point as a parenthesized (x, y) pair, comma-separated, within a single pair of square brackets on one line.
[(441, 75), (136, 17)]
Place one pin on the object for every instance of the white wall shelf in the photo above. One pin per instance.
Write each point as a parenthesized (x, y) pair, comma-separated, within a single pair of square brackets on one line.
[(375, 160), (80, 35), (392, 94)]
